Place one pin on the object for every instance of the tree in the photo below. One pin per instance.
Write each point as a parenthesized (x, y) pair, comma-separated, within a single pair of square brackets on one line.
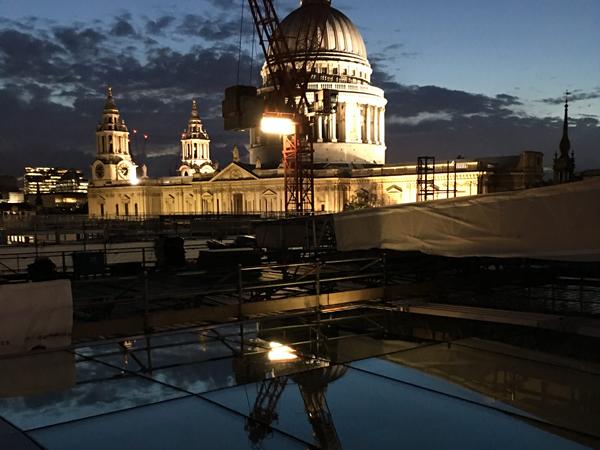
[(361, 200)]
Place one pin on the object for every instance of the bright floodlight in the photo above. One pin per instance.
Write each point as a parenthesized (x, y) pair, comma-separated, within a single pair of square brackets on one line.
[(277, 125), (281, 353), (134, 179)]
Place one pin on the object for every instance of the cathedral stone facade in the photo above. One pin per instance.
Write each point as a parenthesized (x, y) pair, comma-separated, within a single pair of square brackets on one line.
[(350, 170)]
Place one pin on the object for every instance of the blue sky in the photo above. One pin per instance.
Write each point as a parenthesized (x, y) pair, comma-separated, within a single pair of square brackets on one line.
[(533, 49), (472, 50)]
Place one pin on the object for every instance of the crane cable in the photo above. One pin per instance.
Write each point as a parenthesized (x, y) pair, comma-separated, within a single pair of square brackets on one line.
[(252, 55), (240, 43)]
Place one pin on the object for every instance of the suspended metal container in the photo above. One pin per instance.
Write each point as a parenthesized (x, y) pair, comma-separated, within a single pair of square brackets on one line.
[(242, 108)]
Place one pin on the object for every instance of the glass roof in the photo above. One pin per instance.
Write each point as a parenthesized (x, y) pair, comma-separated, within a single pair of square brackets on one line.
[(275, 387)]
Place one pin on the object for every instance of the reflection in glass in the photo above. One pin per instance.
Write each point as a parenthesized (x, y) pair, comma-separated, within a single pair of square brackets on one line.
[(277, 369), (94, 389), (188, 423)]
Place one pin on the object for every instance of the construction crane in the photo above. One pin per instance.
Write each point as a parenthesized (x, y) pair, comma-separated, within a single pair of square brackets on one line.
[(287, 110)]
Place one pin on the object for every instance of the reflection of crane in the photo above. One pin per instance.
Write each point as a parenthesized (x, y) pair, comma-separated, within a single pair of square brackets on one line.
[(264, 411), (290, 71), (312, 385)]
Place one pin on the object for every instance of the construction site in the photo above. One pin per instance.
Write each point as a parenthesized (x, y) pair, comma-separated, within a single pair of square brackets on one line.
[(453, 321), (301, 326)]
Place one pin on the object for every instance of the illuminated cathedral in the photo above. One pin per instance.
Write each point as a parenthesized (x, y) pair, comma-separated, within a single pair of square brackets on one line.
[(349, 150)]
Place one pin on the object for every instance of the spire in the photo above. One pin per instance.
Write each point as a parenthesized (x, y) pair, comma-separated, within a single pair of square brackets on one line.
[(565, 143), (109, 105), (195, 129), (564, 164), (195, 114)]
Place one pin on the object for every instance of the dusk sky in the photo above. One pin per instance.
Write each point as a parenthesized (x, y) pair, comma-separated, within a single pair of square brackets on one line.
[(465, 77)]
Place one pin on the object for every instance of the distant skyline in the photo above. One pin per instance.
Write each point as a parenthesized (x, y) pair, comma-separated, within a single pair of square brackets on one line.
[(462, 77)]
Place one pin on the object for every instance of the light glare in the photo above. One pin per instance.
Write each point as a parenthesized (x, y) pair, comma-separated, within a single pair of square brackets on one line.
[(281, 353), (277, 125)]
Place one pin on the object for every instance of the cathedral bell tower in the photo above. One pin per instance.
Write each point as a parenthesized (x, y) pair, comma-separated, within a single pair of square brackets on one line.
[(113, 164), (195, 147)]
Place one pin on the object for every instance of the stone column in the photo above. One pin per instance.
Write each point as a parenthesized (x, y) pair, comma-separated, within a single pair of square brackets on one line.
[(382, 126), (377, 120), (358, 123), (333, 125), (368, 126), (320, 129)]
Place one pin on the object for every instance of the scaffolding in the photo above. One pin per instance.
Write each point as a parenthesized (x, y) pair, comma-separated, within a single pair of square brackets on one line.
[(426, 188), (425, 178), (451, 182)]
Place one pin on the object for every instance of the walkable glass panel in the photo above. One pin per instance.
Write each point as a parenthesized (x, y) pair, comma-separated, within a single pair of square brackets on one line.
[(359, 410), (189, 423), (50, 388)]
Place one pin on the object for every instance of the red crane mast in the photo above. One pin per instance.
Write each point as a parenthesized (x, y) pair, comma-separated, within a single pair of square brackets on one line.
[(290, 71)]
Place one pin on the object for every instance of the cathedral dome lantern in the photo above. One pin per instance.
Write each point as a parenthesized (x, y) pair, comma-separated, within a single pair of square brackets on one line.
[(195, 146), (355, 132), (111, 117)]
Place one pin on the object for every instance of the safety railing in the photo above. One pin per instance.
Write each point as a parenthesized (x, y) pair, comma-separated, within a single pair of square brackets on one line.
[(17, 263), (151, 292)]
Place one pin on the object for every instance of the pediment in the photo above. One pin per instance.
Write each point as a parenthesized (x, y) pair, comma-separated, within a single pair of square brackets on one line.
[(234, 172), (269, 193), (395, 189)]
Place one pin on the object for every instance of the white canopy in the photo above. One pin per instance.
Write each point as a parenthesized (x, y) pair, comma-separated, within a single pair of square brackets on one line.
[(559, 222)]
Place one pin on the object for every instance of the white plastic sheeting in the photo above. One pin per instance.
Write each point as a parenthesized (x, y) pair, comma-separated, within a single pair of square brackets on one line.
[(559, 222), (35, 315)]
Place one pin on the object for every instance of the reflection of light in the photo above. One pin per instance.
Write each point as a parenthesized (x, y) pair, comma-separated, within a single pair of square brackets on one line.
[(128, 344), (277, 125), (134, 179), (280, 352)]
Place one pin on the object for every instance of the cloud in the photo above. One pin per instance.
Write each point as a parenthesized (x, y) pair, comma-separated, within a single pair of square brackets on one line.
[(159, 25), (574, 96), (25, 55), (490, 136), (122, 28), (433, 120), (54, 77), (52, 81), (420, 118), (391, 53), (214, 29), (227, 5), (79, 42)]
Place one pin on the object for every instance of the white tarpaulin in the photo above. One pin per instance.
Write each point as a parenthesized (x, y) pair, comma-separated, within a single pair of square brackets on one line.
[(559, 222), (35, 315)]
